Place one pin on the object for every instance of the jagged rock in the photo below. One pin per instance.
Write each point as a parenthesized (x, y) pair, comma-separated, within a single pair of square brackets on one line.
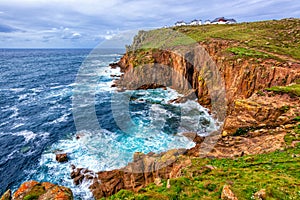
[(145, 169), (6, 195), (260, 195), (157, 181), (61, 157), (113, 65), (79, 174), (42, 191), (227, 194), (57, 193)]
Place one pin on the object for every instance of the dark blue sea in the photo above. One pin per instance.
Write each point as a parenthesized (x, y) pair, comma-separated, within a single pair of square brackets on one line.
[(47, 107)]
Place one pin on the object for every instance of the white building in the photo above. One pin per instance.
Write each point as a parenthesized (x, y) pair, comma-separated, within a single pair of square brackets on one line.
[(207, 22), (180, 23), (195, 22)]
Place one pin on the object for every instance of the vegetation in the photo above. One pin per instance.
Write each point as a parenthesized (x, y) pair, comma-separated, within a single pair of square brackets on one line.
[(293, 135), (277, 172), (275, 37), (293, 89), (244, 52), (280, 37)]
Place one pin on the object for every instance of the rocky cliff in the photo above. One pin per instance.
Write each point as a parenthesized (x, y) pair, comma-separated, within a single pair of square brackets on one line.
[(245, 73), (247, 76)]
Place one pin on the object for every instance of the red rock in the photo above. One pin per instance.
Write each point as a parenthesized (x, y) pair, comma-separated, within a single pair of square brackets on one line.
[(61, 157)]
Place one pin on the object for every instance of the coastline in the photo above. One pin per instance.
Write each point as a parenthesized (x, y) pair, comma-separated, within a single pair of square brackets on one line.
[(258, 121)]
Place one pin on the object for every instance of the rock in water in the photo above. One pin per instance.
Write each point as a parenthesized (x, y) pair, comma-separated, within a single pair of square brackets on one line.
[(62, 157), (6, 195), (42, 191), (227, 194)]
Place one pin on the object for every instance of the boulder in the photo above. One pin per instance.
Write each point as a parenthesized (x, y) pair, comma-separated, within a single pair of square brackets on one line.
[(227, 194), (42, 191), (6, 195), (61, 157), (260, 195)]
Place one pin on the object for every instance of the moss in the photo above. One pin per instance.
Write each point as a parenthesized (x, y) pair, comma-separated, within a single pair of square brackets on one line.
[(293, 135), (242, 131), (35, 192), (261, 93), (284, 109), (293, 89), (31, 197), (297, 118)]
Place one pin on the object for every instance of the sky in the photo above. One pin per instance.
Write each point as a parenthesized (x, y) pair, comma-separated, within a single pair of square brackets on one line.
[(87, 23)]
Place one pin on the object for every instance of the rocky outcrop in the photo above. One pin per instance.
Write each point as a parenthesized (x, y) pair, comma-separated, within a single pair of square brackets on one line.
[(6, 195), (264, 110), (41, 191), (145, 169)]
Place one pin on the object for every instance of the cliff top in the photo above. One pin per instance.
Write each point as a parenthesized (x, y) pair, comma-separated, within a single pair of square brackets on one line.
[(279, 38)]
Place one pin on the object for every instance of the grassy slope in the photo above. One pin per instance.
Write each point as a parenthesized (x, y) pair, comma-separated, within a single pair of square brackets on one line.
[(280, 37), (277, 172)]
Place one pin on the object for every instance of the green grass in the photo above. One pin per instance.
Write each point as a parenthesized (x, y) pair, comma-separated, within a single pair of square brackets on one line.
[(242, 52), (282, 37), (277, 172), (293, 89), (275, 36)]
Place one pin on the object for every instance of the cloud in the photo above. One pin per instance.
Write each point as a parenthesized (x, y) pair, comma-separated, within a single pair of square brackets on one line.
[(62, 22), (7, 29)]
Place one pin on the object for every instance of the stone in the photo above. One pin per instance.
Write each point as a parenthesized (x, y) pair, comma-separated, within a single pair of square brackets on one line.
[(157, 181), (24, 189), (227, 194), (42, 191), (57, 193), (168, 184), (6, 195), (61, 157), (260, 195), (210, 167)]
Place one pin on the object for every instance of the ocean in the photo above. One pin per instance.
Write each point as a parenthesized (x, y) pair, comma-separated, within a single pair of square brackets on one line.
[(37, 90)]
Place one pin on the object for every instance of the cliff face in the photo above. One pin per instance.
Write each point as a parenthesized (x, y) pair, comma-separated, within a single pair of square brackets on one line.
[(242, 78)]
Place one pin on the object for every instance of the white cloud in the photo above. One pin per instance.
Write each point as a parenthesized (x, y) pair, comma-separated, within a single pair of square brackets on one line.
[(61, 21)]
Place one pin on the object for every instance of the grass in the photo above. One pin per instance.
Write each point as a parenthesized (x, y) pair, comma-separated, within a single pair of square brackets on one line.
[(275, 36), (277, 172), (293, 89), (244, 52), (293, 135)]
